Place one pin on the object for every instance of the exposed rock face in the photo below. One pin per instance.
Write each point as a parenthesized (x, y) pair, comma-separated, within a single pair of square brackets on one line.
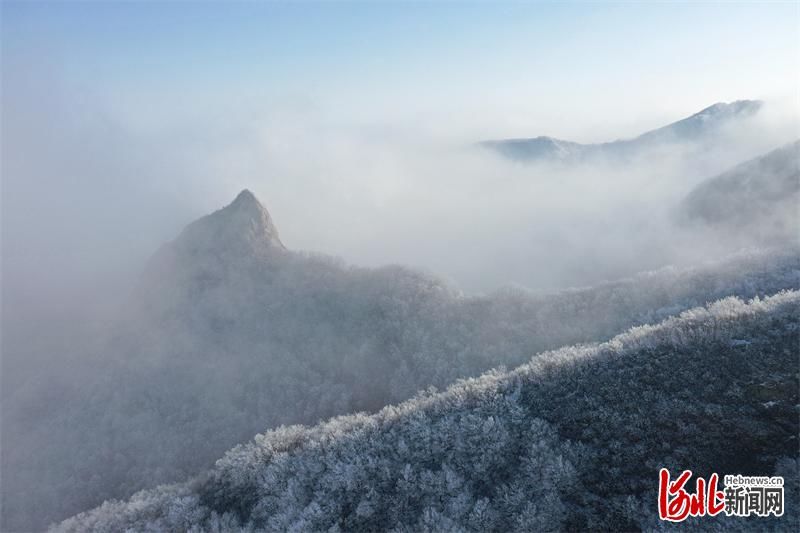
[(229, 249), (242, 226)]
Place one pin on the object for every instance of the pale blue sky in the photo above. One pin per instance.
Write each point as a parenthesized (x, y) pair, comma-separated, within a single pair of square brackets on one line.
[(485, 66)]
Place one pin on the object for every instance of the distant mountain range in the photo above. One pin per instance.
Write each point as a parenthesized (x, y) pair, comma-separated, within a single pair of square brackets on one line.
[(707, 122)]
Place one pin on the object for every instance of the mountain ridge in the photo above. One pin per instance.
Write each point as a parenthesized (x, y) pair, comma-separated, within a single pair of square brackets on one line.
[(759, 196), (546, 148)]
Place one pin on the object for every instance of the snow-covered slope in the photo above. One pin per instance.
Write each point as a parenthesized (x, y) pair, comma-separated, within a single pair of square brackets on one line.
[(572, 440)]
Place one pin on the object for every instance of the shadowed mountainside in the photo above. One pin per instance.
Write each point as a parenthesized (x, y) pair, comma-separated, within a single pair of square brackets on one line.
[(760, 197)]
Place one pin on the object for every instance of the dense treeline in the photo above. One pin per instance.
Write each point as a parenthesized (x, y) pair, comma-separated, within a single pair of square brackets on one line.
[(571, 440), (228, 336)]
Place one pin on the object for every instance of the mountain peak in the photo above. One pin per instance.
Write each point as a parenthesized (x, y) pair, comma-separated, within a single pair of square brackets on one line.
[(241, 227), (246, 198), (744, 107), (702, 125)]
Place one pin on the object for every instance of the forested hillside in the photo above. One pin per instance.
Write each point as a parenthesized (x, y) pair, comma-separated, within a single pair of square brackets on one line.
[(573, 439), (229, 333), (760, 197)]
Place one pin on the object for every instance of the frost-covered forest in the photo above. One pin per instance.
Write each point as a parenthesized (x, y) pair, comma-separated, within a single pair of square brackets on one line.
[(569, 440)]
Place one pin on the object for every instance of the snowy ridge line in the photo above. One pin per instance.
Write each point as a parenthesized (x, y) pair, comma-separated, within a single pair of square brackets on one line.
[(697, 324), (241, 466), (694, 324)]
